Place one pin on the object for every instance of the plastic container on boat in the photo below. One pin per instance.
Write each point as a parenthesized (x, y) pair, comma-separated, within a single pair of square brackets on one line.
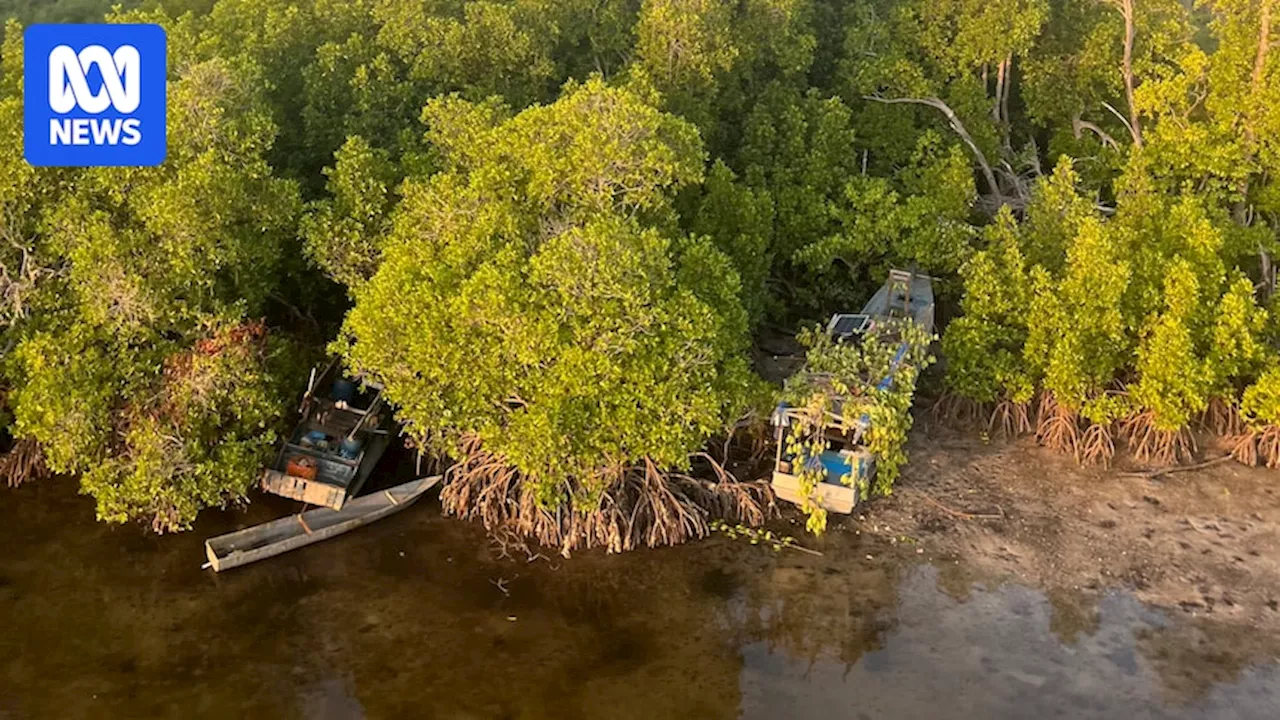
[(350, 448), (313, 438), (302, 466), (856, 464)]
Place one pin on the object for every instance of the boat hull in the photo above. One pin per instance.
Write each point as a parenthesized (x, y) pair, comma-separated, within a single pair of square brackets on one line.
[(290, 533)]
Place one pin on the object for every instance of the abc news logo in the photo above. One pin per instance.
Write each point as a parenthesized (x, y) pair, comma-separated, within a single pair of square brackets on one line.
[(94, 95), (69, 89)]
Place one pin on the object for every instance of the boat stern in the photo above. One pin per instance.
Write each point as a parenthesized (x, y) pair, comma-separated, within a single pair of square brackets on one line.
[(313, 492), (214, 561)]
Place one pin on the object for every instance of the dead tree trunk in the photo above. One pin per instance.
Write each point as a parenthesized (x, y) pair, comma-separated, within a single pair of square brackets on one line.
[(1265, 266), (1008, 87), (1135, 124), (1000, 79), (1264, 44)]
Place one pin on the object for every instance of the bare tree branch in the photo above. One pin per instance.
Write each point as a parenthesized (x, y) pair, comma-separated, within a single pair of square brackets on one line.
[(1000, 80), (16, 283), (1078, 125), (1008, 88), (960, 130), (1122, 118)]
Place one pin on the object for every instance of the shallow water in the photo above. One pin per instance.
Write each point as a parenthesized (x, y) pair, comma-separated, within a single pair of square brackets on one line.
[(412, 617)]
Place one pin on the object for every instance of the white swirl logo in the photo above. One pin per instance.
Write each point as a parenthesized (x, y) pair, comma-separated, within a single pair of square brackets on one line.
[(69, 84)]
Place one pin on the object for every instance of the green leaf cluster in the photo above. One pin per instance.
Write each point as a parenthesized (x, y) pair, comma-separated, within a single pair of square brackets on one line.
[(128, 273)]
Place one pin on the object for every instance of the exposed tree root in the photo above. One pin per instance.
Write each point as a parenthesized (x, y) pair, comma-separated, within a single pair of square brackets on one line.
[(1222, 418), (1159, 472), (1269, 446), (1097, 446), (642, 506), (1009, 419), (1257, 446), (1153, 445), (1244, 448), (1057, 426), (24, 462), (957, 411)]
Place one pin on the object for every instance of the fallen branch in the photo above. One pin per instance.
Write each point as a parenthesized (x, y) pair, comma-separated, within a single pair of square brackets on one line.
[(1152, 474)]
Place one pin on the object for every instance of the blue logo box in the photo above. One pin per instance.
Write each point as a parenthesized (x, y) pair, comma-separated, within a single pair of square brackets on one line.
[(94, 95)]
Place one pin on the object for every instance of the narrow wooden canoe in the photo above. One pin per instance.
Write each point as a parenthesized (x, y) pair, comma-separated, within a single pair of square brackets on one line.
[(289, 533)]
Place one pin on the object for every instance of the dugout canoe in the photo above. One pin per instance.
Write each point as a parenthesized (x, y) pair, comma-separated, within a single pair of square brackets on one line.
[(290, 533)]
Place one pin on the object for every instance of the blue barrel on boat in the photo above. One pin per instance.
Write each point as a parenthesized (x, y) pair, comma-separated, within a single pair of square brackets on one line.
[(858, 464), (350, 448)]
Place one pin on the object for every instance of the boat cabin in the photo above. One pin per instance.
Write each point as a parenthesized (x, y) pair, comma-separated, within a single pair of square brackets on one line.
[(343, 432)]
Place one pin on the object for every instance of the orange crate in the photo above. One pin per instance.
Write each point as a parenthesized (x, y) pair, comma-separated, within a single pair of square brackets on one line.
[(302, 466)]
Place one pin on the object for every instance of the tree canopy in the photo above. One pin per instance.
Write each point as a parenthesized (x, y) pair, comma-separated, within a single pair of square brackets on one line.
[(552, 228)]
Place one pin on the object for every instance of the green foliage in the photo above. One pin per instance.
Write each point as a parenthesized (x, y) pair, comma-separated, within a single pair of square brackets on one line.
[(59, 11), (1173, 381), (1076, 337), (685, 45), (918, 217), (1238, 348), (983, 347), (202, 440), (1261, 402), (1054, 216), (738, 219), (531, 295), (559, 220), (130, 270), (344, 234)]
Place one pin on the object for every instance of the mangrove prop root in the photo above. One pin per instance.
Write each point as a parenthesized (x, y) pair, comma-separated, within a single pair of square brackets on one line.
[(1009, 419), (957, 411), (24, 462), (1097, 446), (1258, 446), (1151, 444), (1057, 426), (1244, 448), (641, 506), (1222, 418)]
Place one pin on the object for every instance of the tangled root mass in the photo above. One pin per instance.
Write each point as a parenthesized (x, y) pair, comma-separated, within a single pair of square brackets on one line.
[(24, 462), (642, 506)]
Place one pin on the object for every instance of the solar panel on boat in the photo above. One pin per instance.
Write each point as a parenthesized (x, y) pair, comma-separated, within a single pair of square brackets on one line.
[(843, 327)]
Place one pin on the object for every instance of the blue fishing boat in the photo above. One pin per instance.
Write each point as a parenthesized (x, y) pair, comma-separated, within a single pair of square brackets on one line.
[(845, 463)]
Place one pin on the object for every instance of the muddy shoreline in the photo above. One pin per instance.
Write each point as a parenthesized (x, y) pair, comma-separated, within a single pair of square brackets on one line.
[(1204, 542)]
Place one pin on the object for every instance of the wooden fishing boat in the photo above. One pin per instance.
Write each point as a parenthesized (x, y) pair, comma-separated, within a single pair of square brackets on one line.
[(290, 533), (342, 434), (904, 295)]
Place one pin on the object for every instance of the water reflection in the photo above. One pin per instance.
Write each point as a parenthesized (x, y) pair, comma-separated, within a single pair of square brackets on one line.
[(413, 617), (328, 698), (1007, 652)]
